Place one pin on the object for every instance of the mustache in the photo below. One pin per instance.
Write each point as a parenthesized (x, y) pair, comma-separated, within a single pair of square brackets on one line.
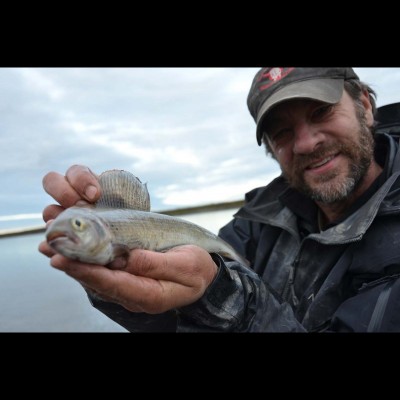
[(302, 161)]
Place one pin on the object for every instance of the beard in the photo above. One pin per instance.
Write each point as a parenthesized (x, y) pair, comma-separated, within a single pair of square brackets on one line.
[(334, 186)]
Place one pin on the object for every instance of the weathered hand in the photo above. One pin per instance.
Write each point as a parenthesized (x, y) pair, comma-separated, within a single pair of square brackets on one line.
[(151, 282), (147, 281)]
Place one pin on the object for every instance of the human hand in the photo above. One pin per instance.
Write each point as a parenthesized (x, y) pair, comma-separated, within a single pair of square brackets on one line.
[(151, 282), (148, 281), (79, 184)]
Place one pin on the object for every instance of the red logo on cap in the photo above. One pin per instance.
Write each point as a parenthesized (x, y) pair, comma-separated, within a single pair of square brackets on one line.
[(273, 75)]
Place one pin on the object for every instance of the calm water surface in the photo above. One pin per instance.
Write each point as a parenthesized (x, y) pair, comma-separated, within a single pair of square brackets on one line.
[(34, 297)]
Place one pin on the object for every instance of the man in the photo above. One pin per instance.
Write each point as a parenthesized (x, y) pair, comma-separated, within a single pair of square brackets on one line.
[(322, 238)]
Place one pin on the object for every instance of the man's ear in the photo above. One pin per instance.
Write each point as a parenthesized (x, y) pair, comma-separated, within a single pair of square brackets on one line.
[(368, 107)]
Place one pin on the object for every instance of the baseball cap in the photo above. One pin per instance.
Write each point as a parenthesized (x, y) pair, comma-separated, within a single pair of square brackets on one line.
[(273, 85)]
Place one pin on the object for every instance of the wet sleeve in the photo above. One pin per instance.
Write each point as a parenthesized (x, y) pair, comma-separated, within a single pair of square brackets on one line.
[(237, 301), (135, 322)]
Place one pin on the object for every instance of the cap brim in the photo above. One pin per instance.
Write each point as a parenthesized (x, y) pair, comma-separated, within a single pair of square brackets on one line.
[(326, 90)]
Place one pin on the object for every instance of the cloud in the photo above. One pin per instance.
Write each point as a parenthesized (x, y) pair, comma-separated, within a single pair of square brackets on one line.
[(186, 132), (181, 195), (37, 81)]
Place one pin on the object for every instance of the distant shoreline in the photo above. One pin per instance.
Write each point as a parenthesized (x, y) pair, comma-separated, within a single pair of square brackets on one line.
[(205, 208), (176, 212), (22, 231)]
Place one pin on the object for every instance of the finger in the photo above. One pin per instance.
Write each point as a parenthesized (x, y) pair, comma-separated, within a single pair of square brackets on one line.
[(45, 249), (84, 181), (135, 293), (103, 282), (57, 186), (51, 212), (77, 270)]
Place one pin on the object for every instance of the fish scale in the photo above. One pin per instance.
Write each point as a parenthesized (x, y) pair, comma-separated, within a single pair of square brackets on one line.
[(158, 231)]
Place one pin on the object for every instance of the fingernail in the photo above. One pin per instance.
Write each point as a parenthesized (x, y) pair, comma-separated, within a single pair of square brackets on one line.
[(82, 203), (91, 192)]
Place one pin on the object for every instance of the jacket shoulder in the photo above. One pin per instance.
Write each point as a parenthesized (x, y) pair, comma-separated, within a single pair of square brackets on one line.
[(267, 193), (388, 119)]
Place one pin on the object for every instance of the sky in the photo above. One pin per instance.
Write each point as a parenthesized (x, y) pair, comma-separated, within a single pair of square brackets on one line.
[(186, 132)]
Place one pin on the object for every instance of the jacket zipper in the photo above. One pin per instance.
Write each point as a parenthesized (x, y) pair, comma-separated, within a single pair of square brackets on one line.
[(289, 286)]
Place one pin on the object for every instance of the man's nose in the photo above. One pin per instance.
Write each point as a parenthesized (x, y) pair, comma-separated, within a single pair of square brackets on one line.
[(306, 138)]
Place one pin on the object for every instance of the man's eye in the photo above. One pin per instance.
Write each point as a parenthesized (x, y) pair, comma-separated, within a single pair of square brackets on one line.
[(279, 135), (322, 111)]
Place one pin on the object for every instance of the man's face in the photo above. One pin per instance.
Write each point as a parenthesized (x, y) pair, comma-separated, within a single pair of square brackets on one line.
[(323, 150)]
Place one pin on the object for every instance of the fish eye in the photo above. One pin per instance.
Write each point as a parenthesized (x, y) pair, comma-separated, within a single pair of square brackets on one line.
[(78, 224)]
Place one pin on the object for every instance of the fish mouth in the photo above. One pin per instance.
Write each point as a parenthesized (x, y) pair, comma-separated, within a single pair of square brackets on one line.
[(55, 238)]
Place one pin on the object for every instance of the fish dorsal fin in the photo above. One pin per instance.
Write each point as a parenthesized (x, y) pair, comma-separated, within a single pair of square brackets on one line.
[(121, 189)]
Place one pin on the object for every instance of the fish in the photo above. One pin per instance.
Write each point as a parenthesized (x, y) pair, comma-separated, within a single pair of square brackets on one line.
[(121, 221)]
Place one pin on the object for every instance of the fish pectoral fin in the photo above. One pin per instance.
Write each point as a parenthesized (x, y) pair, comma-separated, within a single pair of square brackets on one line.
[(120, 256), (120, 250)]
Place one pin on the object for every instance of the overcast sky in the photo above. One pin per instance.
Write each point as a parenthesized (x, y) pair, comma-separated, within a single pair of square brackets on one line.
[(186, 132)]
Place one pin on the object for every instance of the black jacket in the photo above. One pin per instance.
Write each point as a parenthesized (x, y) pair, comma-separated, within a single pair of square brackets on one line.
[(343, 279)]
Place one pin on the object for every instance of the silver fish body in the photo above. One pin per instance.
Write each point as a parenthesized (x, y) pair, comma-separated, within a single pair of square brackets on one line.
[(101, 233)]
